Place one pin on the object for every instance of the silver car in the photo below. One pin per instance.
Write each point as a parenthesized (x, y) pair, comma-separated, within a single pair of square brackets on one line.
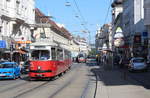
[(137, 63)]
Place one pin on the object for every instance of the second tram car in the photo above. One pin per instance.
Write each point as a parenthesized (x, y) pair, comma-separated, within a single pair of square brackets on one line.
[(48, 60)]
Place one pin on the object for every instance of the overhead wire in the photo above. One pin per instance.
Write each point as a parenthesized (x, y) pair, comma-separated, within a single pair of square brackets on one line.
[(77, 14), (83, 19), (79, 11), (74, 11), (106, 17)]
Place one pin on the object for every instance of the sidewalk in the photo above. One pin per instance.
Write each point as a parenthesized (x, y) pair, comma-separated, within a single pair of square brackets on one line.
[(113, 84)]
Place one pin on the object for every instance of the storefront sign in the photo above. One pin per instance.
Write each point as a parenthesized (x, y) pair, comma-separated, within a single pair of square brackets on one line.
[(119, 42), (2, 44), (145, 34)]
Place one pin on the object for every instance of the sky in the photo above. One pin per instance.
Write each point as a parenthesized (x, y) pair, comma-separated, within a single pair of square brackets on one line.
[(88, 15)]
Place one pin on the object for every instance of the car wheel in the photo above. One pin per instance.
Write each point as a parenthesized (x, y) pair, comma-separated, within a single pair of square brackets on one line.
[(19, 76), (145, 70), (130, 70)]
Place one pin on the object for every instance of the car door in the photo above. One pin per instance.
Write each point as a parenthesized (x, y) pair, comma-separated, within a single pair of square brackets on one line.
[(17, 69)]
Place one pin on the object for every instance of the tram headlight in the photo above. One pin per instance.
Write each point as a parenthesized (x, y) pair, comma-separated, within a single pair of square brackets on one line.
[(39, 67)]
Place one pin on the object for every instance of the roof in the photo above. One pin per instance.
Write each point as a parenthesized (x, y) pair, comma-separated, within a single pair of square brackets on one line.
[(9, 62), (134, 58), (41, 18), (43, 44)]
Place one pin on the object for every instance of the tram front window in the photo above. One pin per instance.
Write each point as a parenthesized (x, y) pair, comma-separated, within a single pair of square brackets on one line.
[(40, 55)]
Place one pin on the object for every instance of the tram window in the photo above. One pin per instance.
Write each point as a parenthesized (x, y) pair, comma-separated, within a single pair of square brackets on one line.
[(60, 54), (44, 55), (53, 50), (40, 55), (66, 54), (35, 55)]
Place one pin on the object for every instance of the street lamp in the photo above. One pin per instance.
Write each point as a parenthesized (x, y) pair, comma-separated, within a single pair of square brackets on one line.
[(68, 4)]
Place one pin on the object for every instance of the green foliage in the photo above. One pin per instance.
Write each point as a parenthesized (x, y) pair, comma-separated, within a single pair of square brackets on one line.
[(92, 52)]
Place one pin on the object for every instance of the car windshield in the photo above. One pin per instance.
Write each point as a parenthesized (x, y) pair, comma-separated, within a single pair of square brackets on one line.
[(6, 65), (81, 55), (40, 54), (138, 60)]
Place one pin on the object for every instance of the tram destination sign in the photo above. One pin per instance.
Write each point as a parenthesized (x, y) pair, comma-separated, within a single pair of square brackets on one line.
[(39, 47)]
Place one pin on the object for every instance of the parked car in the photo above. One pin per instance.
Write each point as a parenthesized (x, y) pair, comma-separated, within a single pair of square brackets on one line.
[(25, 67), (91, 60), (137, 63), (9, 70), (2, 61)]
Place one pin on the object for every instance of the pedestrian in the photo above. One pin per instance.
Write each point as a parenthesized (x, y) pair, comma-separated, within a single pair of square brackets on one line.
[(21, 66)]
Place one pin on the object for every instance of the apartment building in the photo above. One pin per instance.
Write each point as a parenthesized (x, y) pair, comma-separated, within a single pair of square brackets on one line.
[(17, 18), (133, 26), (147, 22)]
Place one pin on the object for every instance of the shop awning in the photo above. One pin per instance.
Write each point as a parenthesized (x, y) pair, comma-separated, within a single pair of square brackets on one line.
[(24, 42), (19, 51)]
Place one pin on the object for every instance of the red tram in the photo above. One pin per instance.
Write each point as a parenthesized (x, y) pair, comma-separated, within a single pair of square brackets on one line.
[(48, 60)]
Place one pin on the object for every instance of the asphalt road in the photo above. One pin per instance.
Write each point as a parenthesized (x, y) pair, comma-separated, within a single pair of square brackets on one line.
[(78, 82)]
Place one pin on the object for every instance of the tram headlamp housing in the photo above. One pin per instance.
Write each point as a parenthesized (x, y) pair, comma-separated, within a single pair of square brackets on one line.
[(39, 67)]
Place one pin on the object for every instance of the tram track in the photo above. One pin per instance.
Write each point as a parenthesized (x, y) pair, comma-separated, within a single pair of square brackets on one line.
[(56, 87), (74, 77), (46, 83), (84, 93), (13, 86), (71, 81), (23, 93)]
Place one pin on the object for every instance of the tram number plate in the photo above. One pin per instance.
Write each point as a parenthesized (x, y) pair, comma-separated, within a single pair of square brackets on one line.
[(39, 75)]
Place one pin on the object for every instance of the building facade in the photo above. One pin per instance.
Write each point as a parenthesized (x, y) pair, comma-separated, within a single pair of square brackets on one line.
[(17, 18), (103, 37), (147, 23), (133, 26), (48, 29), (84, 47)]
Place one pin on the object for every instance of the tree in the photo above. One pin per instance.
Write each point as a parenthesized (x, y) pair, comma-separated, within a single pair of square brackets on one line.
[(92, 52)]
